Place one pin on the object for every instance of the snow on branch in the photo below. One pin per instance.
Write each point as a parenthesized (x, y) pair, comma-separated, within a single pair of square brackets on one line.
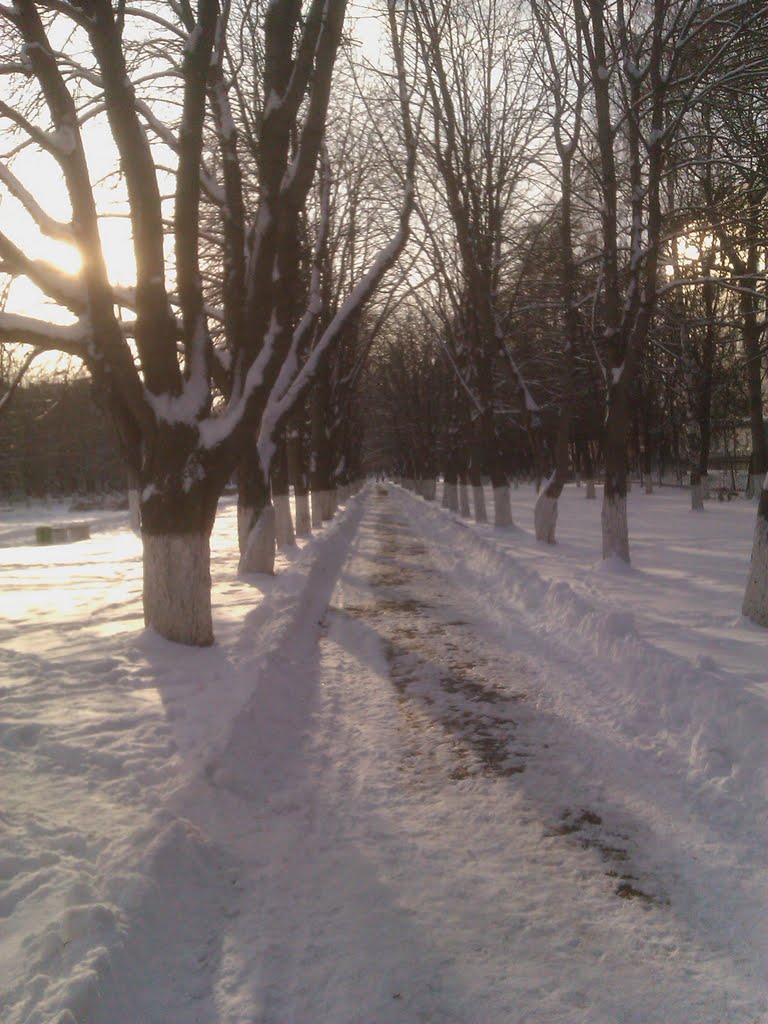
[(61, 287), (47, 224), (73, 339), (279, 402), (60, 143)]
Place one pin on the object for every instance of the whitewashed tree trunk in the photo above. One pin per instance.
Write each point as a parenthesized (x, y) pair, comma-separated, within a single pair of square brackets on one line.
[(615, 528), (303, 516), (134, 499), (502, 507), (323, 507), (257, 540), (317, 509), (464, 506), (451, 497), (134, 509), (545, 517), (284, 532), (478, 498), (755, 605), (177, 587), (590, 489)]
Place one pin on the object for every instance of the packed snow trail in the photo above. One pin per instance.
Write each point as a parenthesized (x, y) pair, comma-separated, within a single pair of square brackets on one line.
[(422, 840)]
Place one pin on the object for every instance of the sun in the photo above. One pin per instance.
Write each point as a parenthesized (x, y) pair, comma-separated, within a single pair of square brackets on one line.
[(689, 249)]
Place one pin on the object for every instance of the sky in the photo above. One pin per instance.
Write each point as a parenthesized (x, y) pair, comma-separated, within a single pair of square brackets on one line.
[(42, 177)]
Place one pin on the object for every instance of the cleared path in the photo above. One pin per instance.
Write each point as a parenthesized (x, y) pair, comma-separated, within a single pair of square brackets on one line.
[(423, 839)]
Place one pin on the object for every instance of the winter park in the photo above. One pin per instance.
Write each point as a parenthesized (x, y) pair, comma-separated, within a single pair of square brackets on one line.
[(383, 512)]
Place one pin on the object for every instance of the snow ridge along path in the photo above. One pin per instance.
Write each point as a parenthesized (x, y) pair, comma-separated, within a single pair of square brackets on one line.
[(421, 783)]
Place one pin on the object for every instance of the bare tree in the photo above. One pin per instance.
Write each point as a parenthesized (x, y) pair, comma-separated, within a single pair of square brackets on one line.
[(564, 72), (483, 103), (186, 408)]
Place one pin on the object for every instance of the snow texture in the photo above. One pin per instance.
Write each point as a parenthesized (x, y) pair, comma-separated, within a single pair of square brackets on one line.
[(431, 772)]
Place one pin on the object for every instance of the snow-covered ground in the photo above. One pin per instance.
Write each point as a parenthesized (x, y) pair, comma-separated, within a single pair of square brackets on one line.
[(430, 772)]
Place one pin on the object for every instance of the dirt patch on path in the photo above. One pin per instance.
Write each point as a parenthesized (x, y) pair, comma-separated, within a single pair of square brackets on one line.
[(463, 701)]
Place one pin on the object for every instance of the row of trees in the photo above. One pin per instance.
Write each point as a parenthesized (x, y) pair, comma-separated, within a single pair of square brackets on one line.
[(56, 441), (621, 146), (203, 361), (565, 200)]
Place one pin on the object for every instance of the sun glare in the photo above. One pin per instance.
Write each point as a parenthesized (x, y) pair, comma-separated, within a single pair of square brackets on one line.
[(688, 250)]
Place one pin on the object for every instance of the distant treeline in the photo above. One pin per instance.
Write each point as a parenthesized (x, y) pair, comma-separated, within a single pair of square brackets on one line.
[(54, 440)]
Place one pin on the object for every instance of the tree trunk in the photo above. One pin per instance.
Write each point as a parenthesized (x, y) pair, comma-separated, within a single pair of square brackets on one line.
[(589, 472), (751, 331), (478, 500), (755, 605), (255, 520), (545, 515), (284, 535), (320, 468), (464, 506), (451, 486), (451, 496), (429, 488), (502, 507), (476, 478), (692, 423), (614, 511), (297, 475), (177, 587), (647, 457), (179, 495), (134, 500), (545, 509)]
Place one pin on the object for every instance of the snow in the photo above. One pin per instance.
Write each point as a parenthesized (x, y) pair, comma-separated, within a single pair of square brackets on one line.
[(431, 771)]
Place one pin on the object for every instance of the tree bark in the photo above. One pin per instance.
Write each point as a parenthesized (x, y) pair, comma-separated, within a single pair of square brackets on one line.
[(451, 496), (255, 520), (134, 500), (320, 467), (177, 586), (179, 494), (755, 605), (284, 533), (545, 514), (297, 474), (464, 506), (614, 511)]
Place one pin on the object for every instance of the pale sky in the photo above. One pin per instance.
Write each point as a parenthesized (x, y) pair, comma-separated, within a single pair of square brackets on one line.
[(41, 176)]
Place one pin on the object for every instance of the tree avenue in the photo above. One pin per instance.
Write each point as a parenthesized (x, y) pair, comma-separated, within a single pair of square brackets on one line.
[(195, 391), (571, 195)]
